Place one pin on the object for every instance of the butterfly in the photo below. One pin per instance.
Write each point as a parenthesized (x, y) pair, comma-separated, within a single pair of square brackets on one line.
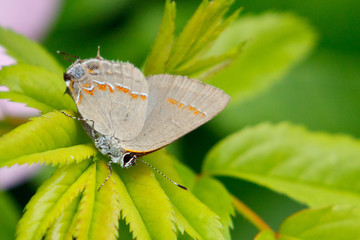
[(129, 115)]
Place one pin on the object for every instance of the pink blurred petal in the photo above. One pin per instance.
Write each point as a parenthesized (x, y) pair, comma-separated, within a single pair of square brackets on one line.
[(5, 60), (8, 108), (31, 18), (15, 109), (15, 175)]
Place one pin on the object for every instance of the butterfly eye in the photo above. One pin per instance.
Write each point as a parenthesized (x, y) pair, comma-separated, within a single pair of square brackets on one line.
[(127, 158), (67, 77)]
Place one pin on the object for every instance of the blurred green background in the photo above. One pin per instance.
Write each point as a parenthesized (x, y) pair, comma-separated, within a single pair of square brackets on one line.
[(321, 92)]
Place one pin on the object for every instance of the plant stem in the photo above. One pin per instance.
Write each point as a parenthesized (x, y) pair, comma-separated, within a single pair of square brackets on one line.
[(250, 215)]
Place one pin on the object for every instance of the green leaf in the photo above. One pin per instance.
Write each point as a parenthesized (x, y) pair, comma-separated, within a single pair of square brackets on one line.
[(191, 215), (107, 206), (199, 33), (331, 223), (95, 215), (10, 214), (184, 55), (68, 204), (98, 211), (27, 51), (61, 226), (52, 198), (208, 191), (58, 157), (275, 42), (29, 142), (313, 168), (155, 62), (209, 65), (36, 87), (217, 25), (187, 37), (144, 204)]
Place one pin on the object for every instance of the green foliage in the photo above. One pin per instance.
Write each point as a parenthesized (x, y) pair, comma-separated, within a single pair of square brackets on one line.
[(184, 55), (274, 43), (27, 84), (314, 168), (332, 223), (243, 57), (28, 52), (10, 214), (40, 139)]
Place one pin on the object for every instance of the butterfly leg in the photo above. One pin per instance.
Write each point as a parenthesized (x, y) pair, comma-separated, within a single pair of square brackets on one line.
[(107, 178), (83, 120)]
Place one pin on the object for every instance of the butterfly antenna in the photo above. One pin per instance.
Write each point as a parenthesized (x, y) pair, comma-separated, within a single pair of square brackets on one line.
[(67, 56), (98, 54), (107, 178), (149, 165)]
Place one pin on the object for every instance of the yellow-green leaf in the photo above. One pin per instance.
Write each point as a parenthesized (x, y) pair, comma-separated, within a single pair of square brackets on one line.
[(208, 191), (27, 51), (58, 157), (51, 131), (36, 87), (52, 198), (61, 226), (144, 204), (155, 62), (314, 168), (106, 212), (330, 223), (275, 42), (198, 220)]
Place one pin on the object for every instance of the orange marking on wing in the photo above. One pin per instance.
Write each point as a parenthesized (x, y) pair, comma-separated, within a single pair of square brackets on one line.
[(79, 99), (91, 71), (181, 105), (143, 97), (122, 89), (71, 86), (172, 101), (87, 85), (134, 96), (102, 87), (196, 112), (191, 108), (203, 114), (134, 151), (111, 90), (89, 92)]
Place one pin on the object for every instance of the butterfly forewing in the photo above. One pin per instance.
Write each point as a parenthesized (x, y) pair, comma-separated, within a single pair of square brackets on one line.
[(114, 96), (177, 105)]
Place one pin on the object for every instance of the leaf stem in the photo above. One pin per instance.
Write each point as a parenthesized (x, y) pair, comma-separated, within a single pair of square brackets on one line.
[(250, 215)]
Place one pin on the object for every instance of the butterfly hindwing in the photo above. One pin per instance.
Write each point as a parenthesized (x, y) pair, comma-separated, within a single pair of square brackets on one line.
[(176, 106)]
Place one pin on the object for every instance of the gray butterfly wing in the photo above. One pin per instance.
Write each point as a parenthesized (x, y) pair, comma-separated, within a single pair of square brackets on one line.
[(114, 96), (177, 105)]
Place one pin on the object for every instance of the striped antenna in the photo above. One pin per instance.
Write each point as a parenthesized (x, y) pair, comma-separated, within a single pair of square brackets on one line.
[(149, 165), (67, 56)]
